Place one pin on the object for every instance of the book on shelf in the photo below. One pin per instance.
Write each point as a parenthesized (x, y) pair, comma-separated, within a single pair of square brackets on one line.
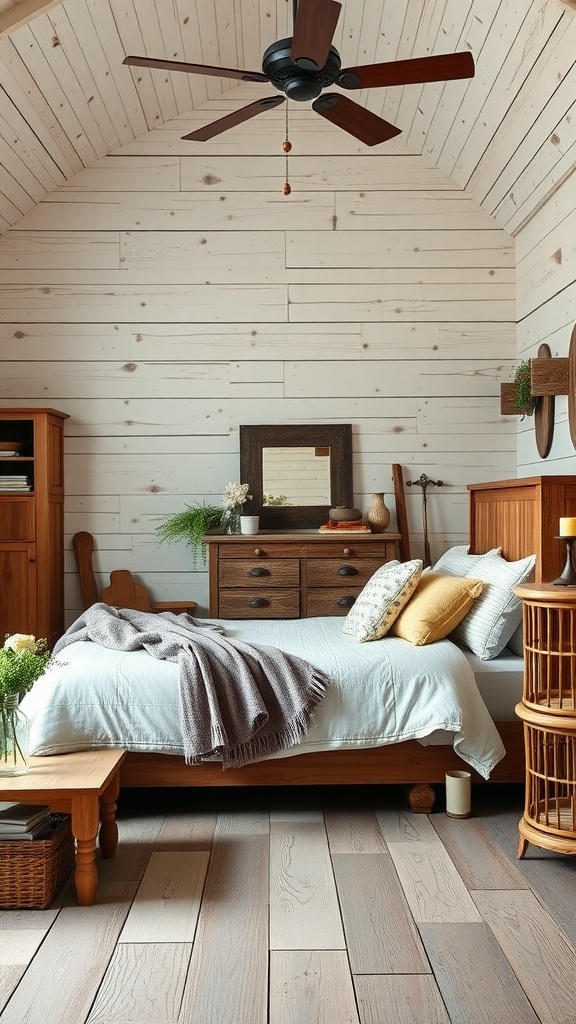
[(21, 817)]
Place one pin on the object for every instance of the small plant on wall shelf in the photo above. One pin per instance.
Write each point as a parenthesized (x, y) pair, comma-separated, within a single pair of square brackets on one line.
[(516, 398), (524, 400)]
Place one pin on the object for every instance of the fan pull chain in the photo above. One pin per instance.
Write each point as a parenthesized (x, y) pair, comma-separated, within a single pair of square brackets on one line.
[(286, 146)]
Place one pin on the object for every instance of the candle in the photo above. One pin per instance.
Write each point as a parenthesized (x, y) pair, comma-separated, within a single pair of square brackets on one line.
[(568, 527), (458, 794)]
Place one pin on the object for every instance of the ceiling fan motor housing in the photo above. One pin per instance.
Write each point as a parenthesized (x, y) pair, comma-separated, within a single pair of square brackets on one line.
[(296, 82)]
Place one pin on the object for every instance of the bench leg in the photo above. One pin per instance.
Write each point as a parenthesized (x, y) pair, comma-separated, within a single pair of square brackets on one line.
[(85, 820), (108, 839)]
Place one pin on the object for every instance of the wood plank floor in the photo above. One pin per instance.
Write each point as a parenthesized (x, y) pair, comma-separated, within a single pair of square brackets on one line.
[(310, 906)]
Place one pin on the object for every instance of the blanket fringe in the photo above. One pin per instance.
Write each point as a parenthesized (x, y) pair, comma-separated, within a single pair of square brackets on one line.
[(260, 747)]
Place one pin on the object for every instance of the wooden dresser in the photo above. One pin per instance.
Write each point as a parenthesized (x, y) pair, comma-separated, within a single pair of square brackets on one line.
[(291, 575)]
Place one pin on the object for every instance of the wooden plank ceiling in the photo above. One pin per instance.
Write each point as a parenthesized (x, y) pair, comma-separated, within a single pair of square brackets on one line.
[(508, 136)]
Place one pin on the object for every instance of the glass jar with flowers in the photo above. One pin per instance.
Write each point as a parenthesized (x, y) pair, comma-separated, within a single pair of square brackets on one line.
[(23, 659), (233, 501)]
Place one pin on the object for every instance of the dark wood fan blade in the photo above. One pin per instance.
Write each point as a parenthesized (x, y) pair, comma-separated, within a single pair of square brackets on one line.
[(354, 119), (442, 68), (237, 117), (314, 26), (196, 69)]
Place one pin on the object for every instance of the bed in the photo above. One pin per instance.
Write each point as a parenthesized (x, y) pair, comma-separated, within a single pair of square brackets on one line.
[(412, 762)]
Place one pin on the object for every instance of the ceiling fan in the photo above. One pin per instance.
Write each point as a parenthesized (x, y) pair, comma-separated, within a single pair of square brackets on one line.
[(306, 63)]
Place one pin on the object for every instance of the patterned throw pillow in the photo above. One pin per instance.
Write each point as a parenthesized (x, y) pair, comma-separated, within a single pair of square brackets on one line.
[(497, 613), (436, 607), (382, 599), (458, 562)]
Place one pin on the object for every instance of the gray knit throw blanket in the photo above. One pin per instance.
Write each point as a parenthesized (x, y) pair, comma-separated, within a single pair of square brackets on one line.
[(239, 702)]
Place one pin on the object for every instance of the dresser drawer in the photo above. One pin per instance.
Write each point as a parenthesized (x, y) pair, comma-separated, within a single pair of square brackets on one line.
[(330, 601), (351, 547), (265, 604), (271, 572), (333, 572)]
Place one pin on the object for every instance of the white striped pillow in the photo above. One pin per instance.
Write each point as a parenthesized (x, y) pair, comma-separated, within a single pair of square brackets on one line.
[(457, 561), (497, 613)]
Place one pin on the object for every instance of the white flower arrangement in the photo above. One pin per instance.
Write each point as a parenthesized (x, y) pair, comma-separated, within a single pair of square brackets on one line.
[(235, 495)]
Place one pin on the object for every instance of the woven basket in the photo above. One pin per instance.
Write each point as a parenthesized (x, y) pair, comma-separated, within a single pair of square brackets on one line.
[(33, 871)]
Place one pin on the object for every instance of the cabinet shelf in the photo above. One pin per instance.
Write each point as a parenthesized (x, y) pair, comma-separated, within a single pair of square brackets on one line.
[(32, 524)]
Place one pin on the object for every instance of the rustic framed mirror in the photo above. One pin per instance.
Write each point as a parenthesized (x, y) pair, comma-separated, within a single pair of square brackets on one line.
[(296, 473)]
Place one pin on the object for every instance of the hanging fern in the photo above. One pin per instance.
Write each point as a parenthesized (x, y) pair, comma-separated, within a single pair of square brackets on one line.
[(190, 525)]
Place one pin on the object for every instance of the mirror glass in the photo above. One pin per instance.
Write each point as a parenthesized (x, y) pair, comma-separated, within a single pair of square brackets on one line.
[(295, 476), (296, 473)]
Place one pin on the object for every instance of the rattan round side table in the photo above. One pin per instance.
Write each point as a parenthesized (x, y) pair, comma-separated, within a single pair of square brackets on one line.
[(548, 711)]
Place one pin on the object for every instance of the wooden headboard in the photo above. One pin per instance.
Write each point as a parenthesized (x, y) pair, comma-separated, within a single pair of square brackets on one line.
[(522, 517)]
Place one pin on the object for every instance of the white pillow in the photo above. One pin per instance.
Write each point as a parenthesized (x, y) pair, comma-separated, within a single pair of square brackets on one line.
[(497, 613), (382, 599), (457, 562)]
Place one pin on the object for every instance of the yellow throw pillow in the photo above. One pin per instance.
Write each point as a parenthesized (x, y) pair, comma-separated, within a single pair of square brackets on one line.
[(436, 607)]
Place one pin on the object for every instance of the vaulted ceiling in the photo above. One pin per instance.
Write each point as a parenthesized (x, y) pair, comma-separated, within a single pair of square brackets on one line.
[(508, 136)]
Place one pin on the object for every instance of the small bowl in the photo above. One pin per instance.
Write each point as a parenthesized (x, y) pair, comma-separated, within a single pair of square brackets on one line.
[(344, 515)]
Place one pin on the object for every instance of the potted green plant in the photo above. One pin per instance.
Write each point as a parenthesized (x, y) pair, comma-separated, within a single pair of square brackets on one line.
[(190, 525)]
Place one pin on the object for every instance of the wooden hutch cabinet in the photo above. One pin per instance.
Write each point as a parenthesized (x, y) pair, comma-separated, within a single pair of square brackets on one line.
[(32, 522), (291, 575)]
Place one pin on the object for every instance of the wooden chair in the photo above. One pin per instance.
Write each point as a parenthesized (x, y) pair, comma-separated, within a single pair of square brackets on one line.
[(124, 591)]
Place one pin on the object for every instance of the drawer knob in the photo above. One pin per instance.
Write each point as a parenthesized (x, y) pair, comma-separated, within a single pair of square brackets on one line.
[(347, 570), (257, 551), (259, 570), (345, 602), (346, 552), (258, 602)]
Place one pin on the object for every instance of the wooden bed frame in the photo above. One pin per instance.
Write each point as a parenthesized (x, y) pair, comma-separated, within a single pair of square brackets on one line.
[(519, 516)]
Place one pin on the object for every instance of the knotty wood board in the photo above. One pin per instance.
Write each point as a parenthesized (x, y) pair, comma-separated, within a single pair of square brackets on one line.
[(355, 832), (311, 987), (380, 934), (433, 887), (542, 958), (488, 869), (399, 998), (59, 985), (402, 826), (474, 977), (303, 902), (144, 983), (232, 933), (168, 900)]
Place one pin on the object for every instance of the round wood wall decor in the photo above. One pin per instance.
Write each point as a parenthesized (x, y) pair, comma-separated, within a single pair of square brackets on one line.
[(572, 386), (544, 414)]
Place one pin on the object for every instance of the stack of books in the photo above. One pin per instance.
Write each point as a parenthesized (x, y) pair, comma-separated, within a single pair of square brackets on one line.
[(343, 526), (15, 482), (23, 821)]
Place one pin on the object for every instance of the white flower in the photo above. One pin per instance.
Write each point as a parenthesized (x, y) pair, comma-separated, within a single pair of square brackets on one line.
[(235, 494), (19, 642)]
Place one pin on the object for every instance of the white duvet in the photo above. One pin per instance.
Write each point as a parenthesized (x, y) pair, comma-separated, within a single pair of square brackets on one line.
[(382, 692)]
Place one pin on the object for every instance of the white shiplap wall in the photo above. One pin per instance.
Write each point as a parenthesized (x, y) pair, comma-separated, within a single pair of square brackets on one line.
[(547, 313), (164, 296)]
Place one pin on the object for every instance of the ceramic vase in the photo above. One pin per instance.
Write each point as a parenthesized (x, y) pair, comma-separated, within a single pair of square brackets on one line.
[(14, 742), (378, 515)]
